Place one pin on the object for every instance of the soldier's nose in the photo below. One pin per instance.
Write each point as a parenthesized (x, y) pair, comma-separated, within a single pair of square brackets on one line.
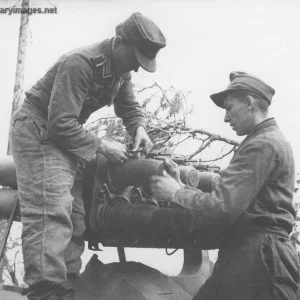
[(226, 118)]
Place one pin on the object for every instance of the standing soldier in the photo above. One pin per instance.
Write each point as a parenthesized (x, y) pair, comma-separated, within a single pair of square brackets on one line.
[(50, 146), (249, 214)]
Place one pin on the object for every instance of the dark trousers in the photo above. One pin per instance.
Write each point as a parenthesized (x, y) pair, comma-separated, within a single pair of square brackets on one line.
[(258, 266)]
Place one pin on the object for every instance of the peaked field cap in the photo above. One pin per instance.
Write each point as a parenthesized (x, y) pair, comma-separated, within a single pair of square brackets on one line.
[(242, 81), (146, 37)]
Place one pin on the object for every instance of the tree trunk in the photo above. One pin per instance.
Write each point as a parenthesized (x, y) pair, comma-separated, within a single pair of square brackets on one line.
[(18, 89)]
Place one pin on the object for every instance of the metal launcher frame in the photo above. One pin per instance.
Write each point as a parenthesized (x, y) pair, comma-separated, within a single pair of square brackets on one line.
[(118, 202)]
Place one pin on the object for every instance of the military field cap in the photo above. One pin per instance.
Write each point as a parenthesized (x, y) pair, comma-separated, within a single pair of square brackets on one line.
[(241, 81), (146, 37)]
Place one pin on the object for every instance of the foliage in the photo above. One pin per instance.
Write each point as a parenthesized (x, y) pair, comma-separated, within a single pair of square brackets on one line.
[(295, 235), (166, 112), (11, 267)]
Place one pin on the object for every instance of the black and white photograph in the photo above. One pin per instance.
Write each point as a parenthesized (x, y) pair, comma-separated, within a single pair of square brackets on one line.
[(149, 150)]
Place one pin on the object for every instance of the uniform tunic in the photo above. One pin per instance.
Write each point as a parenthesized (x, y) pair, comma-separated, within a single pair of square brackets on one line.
[(81, 82), (49, 147), (249, 216)]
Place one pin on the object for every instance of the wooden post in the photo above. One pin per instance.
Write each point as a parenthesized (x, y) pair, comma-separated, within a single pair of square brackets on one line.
[(19, 78)]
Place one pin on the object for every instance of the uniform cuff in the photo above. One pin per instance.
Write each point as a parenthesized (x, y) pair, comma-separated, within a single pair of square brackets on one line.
[(91, 151), (133, 128)]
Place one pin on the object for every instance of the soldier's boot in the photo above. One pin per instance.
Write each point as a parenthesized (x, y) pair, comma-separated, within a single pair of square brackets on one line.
[(42, 291), (66, 292), (50, 291)]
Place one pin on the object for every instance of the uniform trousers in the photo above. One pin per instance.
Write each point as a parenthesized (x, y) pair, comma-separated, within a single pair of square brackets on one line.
[(50, 184), (256, 266)]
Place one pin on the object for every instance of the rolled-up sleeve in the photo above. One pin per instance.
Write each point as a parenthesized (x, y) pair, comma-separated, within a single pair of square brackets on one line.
[(237, 188), (128, 109), (68, 94)]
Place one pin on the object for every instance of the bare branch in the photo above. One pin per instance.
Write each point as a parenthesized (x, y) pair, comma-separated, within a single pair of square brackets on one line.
[(164, 141), (15, 4), (180, 142), (163, 92), (216, 137), (158, 119), (15, 261), (159, 129), (218, 158), (146, 88), (4, 273), (200, 149)]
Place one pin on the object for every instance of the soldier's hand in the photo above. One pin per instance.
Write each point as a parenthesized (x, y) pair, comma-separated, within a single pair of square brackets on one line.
[(173, 169), (142, 139), (115, 152), (164, 186)]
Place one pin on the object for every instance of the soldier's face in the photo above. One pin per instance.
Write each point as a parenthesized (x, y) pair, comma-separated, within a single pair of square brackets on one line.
[(125, 59), (238, 114)]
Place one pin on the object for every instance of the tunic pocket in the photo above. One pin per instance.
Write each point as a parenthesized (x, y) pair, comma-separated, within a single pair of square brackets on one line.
[(281, 263)]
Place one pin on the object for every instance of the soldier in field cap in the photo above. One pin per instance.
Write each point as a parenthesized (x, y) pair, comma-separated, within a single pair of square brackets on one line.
[(50, 147), (145, 37), (241, 81), (249, 214)]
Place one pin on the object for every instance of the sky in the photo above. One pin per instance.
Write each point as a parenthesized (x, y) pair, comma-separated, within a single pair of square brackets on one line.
[(206, 40)]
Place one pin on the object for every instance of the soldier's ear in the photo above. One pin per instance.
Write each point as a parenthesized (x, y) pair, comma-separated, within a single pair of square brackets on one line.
[(250, 101)]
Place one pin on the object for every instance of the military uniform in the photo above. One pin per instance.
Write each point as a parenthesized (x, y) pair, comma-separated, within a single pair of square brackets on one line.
[(249, 215), (81, 82), (49, 148)]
